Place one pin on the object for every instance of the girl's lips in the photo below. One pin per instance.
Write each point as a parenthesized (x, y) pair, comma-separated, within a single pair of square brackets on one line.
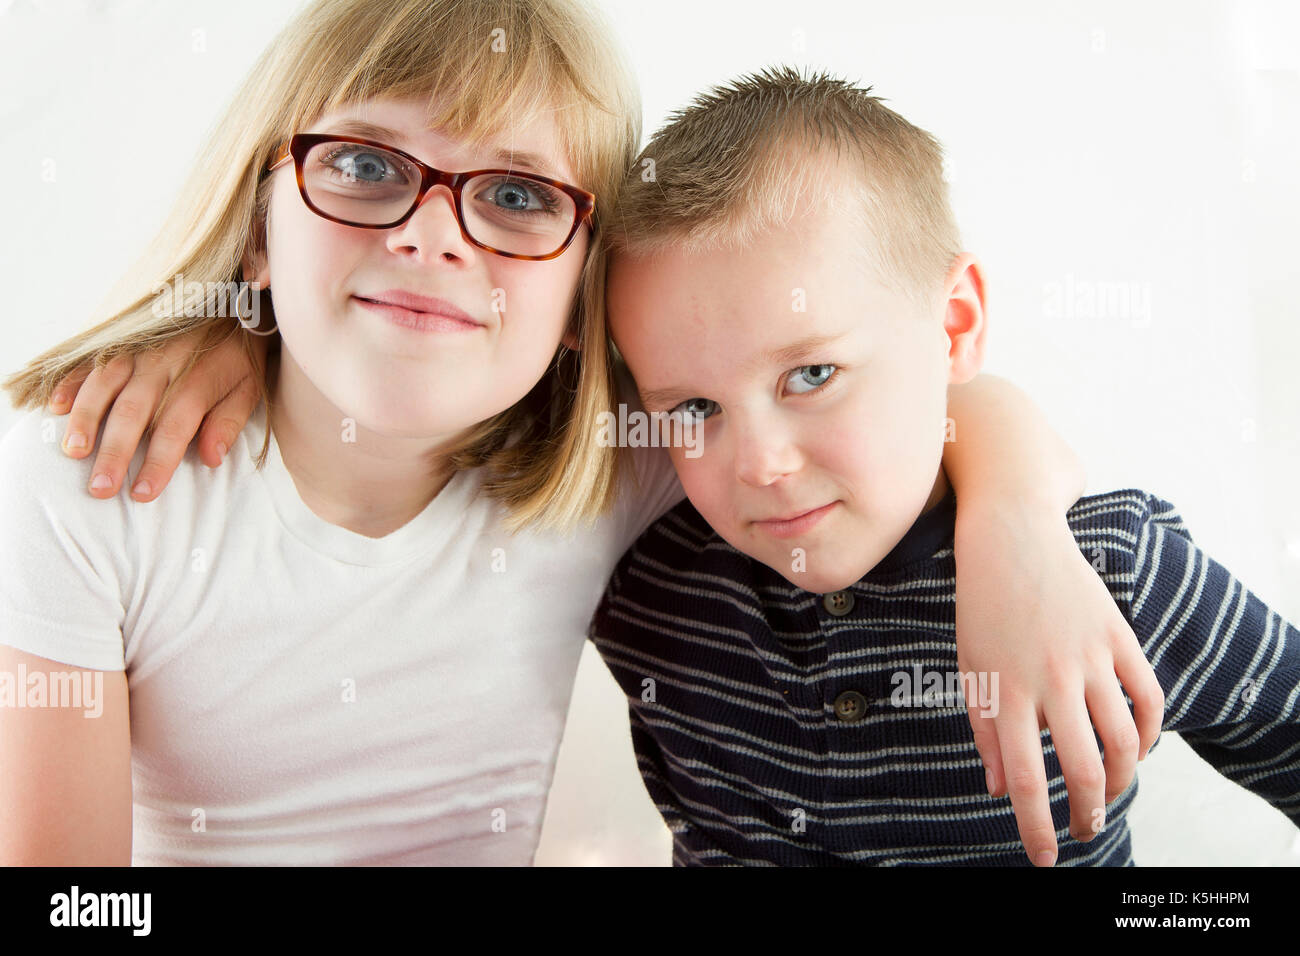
[(796, 526), (419, 321)]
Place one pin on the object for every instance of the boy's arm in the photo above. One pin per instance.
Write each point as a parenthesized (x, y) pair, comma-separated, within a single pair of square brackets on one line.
[(1031, 609), (1229, 664), (220, 393)]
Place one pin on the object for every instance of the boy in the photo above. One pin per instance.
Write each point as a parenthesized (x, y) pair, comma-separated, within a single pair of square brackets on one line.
[(789, 282)]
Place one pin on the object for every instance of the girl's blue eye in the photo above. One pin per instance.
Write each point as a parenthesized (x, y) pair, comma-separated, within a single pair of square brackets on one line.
[(517, 195), (358, 164), (696, 414), (814, 376)]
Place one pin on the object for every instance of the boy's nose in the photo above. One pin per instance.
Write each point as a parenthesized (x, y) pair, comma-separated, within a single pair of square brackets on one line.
[(764, 454)]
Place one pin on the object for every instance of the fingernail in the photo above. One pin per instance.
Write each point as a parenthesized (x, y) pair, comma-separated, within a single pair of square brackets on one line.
[(1045, 858), (75, 440), (988, 781), (142, 489), (221, 451), (101, 482)]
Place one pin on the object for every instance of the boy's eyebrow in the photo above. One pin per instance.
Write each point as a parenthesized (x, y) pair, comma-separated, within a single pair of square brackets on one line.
[(786, 356), (512, 159)]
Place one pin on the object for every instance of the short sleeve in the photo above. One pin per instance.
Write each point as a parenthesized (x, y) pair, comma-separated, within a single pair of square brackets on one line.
[(62, 552), (655, 488)]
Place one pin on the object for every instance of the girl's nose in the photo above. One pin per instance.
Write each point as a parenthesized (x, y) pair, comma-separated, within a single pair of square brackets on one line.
[(433, 231)]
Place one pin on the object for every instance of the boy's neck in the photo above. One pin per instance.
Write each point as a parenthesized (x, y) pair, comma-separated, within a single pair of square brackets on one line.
[(938, 492)]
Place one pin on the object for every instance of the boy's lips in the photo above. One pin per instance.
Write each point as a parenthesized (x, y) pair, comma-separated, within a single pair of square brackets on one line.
[(795, 524)]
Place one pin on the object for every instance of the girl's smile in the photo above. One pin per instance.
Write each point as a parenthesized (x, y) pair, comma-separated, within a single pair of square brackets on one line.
[(418, 312)]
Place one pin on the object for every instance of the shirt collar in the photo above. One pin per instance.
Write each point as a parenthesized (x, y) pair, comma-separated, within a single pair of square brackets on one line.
[(930, 533)]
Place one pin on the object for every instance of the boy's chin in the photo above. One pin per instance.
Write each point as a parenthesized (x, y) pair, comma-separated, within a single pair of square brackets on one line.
[(818, 582)]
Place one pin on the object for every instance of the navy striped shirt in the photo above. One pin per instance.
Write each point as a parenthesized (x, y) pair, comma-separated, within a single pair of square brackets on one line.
[(773, 725)]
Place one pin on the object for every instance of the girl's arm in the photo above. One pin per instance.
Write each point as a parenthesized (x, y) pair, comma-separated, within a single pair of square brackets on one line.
[(1031, 609), (222, 386), (65, 776)]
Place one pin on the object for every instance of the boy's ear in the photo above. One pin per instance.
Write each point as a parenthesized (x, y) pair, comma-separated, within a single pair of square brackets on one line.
[(965, 320)]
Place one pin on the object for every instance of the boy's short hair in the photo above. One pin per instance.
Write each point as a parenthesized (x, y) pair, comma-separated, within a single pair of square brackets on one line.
[(736, 161)]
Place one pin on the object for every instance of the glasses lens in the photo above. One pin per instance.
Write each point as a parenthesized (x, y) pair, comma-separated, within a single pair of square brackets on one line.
[(358, 183), (514, 213)]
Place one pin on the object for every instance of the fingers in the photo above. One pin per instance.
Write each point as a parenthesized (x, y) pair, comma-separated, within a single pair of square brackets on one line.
[(96, 393), (132, 412), (1119, 736), (1139, 680), (65, 392), (167, 445), (986, 742), (206, 391), (227, 420), (1022, 759), (1081, 764)]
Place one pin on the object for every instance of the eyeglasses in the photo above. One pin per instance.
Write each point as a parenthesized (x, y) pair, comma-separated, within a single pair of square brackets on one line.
[(362, 183)]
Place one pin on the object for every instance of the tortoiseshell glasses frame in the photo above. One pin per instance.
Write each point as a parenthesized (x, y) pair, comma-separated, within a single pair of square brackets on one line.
[(300, 145)]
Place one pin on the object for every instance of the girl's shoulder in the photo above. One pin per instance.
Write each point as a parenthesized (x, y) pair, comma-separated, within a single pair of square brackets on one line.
[(36, 472), (45, 493)]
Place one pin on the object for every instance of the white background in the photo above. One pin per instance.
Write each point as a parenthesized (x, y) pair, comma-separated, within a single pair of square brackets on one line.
[(1149, 149)]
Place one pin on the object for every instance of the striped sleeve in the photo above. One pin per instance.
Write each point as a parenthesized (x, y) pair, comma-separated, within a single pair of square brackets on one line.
[(1228, 664)]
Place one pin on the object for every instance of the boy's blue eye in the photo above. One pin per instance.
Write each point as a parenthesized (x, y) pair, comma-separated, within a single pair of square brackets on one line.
[(815, 376)]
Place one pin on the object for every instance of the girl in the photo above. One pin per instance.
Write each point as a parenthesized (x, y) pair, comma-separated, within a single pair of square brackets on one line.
[(356, 643)]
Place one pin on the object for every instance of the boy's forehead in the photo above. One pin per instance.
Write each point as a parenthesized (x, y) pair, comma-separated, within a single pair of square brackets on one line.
[(821, 246)]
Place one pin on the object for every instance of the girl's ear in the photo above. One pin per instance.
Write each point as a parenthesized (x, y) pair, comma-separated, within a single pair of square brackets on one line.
[(256, 269), (254, 263), (570, 337)]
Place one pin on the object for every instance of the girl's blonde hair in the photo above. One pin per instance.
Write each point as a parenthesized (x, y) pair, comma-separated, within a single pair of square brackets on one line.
[(497, 61)]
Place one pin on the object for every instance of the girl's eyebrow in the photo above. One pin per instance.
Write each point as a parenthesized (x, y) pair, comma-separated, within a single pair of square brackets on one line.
[(512, 159)]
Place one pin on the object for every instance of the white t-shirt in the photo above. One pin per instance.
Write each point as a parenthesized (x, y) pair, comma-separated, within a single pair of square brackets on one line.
[(320, 696)]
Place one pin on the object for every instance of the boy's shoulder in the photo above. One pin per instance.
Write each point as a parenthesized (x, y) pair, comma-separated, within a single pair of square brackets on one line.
[(1117, 530), (1127, 509)]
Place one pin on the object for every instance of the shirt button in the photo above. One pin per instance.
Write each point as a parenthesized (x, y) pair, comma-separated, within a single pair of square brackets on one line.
[(850, 707), (838, 603)]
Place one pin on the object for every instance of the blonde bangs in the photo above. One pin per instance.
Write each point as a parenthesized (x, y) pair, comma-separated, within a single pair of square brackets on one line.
[(502, 62)]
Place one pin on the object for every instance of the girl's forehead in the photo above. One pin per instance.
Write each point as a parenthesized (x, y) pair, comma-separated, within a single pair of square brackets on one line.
[(532, 144)]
